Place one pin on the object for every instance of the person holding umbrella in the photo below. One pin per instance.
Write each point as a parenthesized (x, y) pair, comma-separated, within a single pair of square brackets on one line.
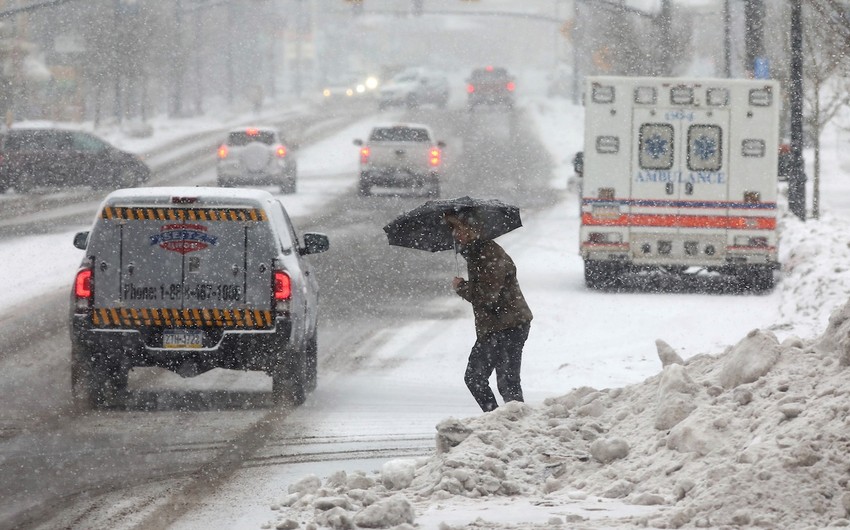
[(502, 316)]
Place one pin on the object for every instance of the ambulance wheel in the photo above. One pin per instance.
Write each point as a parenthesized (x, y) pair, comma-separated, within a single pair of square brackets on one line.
[(288, 380), (757, 279), (600, 275)]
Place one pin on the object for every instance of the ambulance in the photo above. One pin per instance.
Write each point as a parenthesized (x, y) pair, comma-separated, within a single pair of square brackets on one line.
[(680, 175)]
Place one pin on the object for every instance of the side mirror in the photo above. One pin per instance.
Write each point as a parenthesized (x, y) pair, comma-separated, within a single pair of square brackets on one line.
[(314, 244), (441, 144), (81, 239), (358, 141)]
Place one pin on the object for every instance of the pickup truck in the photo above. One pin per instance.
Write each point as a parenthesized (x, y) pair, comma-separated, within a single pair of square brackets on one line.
[(401, 155), (190, 279), (491, 86)]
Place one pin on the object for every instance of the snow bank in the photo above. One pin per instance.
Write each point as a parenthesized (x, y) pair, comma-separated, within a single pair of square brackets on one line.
[(755, 436)]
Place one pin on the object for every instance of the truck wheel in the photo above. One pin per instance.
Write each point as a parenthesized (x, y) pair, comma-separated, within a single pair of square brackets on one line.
[(98, 380), (757, 278), (288, 187), (434, 190), (288, 381), (600, 275), (312, 363), (364, 189), (81, 384)]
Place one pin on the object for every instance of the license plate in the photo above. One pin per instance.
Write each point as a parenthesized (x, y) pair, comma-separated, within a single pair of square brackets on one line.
[(182, 339)]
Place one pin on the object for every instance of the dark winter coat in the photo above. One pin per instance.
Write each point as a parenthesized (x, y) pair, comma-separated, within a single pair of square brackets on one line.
[(492, 288)]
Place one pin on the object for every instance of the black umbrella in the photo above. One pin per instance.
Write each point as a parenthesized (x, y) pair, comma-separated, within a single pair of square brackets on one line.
[(425, 228)]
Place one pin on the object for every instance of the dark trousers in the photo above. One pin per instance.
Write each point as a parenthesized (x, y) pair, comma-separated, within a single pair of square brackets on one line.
[(500, 351)]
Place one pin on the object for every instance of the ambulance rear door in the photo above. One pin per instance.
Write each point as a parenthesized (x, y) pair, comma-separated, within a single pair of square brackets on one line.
[(679, 185)]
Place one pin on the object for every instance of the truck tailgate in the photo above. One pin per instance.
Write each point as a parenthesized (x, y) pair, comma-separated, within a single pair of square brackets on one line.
[(407, 155), (184, 267)]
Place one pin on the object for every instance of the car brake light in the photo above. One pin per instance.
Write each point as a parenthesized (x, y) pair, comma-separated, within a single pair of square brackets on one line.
[(280, 151), (435, 157), (83, 284), (511, 86), (364, 155), (470, 88), (282, 286), (252, 131), (222, 152)]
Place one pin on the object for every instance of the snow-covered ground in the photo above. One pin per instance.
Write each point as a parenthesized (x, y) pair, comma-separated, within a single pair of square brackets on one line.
[(712, 426)]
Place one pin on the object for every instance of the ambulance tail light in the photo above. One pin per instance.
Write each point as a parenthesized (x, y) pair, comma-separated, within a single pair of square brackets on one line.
[(607, 194), (83, 290), (603, 238), (754, 242)]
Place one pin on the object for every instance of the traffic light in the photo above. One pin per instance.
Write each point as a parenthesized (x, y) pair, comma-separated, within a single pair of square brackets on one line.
[(356, 6)]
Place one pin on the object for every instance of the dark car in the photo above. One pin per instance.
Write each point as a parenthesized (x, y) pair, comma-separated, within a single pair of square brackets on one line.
[(36, 157), (491, 86)]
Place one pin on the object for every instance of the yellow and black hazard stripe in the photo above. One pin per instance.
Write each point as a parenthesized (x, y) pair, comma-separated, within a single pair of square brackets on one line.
[(183, 214), (228, 318)]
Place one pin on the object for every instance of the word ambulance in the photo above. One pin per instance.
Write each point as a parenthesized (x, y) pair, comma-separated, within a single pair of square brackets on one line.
[(680, 174)]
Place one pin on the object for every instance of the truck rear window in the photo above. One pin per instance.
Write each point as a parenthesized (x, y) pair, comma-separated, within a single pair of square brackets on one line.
[(399, 134), (496, 74), (239, 139)]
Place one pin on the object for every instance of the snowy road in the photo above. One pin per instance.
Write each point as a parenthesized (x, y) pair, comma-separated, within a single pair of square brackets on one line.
[(195, 453)]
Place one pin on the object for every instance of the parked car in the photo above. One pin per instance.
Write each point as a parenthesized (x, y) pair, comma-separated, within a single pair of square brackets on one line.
[(53, 157), (190, 279), (257, 156), (401, 155), (491, 86), (413, 87)]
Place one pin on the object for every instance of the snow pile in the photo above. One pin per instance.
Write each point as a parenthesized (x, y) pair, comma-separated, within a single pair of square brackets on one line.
[(755, 436), (815, 258)]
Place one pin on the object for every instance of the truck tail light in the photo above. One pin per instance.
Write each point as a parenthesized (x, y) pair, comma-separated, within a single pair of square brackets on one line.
[(222, 152), (434, 157), (83, 289), (282, 286), (470, 88), (280, 151), (364, 155)]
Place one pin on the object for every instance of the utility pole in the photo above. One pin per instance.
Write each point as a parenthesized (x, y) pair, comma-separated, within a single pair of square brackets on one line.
[(754, 35), (727, 39), (797, 179), (665, 27)]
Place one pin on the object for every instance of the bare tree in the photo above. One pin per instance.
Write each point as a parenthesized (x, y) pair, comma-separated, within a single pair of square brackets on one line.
[(826, 66)]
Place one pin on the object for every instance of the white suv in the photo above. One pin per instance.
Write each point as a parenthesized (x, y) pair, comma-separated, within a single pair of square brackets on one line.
[(256, 156), (413, 87)]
